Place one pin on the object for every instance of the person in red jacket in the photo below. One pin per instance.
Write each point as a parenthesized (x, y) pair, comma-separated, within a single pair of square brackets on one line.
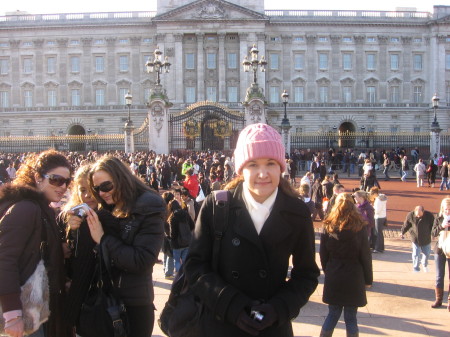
[(191, 183)]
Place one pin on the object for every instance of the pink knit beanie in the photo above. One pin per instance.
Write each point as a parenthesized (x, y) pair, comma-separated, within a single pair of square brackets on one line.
[(259, 141)]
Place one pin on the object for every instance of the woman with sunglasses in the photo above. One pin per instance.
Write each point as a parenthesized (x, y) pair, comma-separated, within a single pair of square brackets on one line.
[(132, 234), (26, 222), (81, 263)]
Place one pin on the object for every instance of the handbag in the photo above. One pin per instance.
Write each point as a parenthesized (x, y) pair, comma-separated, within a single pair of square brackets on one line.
[(102, 313), (35, 293), (444, 242), (200, 196), (182, 312)]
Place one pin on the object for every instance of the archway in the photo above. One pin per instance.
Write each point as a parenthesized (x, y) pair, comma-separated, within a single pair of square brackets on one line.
[(77, 143), (347, 135)]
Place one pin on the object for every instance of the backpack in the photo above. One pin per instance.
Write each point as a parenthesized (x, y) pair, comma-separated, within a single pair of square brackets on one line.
[(182, 311), (184, 233)]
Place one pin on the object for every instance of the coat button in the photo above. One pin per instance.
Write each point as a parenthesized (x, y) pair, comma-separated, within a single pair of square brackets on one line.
[(235, 274), (236, 242), (262, 273)]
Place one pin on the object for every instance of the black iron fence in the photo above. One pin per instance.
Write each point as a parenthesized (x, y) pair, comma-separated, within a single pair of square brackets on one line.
[(317, 141), (322, 141)]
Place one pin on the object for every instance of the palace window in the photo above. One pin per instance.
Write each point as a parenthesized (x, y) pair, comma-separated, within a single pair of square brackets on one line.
[(299, 94), (99, 97), (99, 64), (51, 98), (51, 65), (75, 95), (395, 62)]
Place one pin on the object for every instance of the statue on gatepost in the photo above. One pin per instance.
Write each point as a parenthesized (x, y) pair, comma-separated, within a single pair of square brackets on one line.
[(158, 117)]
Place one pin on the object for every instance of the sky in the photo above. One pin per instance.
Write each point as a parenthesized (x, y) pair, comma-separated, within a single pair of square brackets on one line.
[(79, 6)]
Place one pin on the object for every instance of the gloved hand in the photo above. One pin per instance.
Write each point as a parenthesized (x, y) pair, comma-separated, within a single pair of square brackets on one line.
[(270, 315), (247, 324)]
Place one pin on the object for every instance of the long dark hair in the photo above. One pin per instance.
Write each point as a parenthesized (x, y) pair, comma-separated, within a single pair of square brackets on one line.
[(127, 187), (40, 164)]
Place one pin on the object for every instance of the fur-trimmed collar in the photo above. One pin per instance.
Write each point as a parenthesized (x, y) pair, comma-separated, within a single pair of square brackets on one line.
[(14, 193)]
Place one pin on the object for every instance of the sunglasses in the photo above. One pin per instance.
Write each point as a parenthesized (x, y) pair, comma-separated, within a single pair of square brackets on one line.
[(57, 180), (105, 186)]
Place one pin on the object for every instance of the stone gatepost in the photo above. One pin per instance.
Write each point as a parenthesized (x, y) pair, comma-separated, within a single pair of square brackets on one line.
[(158, 120), (255, 105)]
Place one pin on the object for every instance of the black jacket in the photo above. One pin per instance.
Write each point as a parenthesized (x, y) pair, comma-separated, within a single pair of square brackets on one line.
[(133, 261), (347, 265), (174, 222), (253, 267), (20, 238), (419, 228)]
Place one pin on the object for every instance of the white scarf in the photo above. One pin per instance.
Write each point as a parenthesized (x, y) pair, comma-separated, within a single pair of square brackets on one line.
[(258, 212)]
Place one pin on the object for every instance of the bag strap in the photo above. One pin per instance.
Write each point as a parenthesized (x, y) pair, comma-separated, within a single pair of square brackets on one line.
[(221, 208), (114, 309)]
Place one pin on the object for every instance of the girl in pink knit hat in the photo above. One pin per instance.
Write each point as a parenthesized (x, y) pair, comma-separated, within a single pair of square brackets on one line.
[(248, 293)]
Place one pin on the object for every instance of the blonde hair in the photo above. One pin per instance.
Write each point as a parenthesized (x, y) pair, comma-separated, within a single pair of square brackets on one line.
[(444, 203), (344, 215)]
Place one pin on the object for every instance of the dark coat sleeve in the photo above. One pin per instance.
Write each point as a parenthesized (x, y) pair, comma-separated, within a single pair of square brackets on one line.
[(16, 228), (407, 224), (143, 253), (365, 257)]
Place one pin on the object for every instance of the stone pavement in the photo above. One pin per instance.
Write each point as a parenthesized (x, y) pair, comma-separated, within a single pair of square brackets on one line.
[(398, 303)]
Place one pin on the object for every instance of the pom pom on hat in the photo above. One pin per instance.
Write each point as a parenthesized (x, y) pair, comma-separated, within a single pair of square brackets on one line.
[(259, 141)]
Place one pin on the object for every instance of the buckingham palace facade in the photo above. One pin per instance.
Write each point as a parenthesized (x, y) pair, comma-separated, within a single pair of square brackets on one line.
[(345, 70)]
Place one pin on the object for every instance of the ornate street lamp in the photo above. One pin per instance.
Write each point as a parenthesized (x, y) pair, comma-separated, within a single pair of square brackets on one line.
[(435, 105), (129, 128), (254, 63), (128, 101), (157, 65), (285, 125)]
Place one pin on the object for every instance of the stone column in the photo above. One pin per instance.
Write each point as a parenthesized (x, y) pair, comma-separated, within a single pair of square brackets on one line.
[(222, 65), (111, 94), (255, 110), (311, 69), (62, 61), (129, 137), (15, 73), (136, 66), (40, 98), (158, 121), (261, 43), (179, 94), (406, 60), (86, 66), (243, 52), (201, 68), (435, 141), (335, 68), (359, 67)]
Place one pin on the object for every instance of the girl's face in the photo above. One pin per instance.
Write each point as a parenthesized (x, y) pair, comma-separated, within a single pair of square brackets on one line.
[(359, 200), (447, 210), (262, 177), (54, 183), (104, 185), (85, 194)]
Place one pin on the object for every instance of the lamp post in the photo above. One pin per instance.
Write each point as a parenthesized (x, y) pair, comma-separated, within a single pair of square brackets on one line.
[(285, 125), (129, 128), (254, 63), (435, 144), (157, 65)]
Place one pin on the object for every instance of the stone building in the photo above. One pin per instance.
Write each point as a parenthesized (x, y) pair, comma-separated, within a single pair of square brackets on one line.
[(343, 70)]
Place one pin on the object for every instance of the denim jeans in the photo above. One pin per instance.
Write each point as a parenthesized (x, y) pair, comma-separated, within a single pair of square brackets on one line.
[(39, 332), (404, 175), (444, 182), (386, 172), (168, 265), (179, 255), (416, 252), (334, 313), (379, 226), (439, 261)]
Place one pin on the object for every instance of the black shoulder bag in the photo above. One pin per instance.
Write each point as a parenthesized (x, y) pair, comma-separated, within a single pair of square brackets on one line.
[(181, 314), (103, 313)]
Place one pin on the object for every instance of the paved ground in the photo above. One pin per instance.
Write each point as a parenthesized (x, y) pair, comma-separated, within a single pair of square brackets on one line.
[(399, 301)]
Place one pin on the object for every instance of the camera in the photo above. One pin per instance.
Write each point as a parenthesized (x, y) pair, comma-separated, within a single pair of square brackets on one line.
[(80, 210), (256, 315)]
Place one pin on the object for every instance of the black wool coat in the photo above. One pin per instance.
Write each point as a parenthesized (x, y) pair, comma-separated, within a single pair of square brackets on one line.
[(347, 265), (253, 267)]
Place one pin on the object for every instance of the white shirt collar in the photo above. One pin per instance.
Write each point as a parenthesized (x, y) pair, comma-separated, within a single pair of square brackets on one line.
[(259, 212)]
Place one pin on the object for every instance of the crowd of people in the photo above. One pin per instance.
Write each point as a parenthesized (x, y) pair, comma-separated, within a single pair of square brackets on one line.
[(135, 205)]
